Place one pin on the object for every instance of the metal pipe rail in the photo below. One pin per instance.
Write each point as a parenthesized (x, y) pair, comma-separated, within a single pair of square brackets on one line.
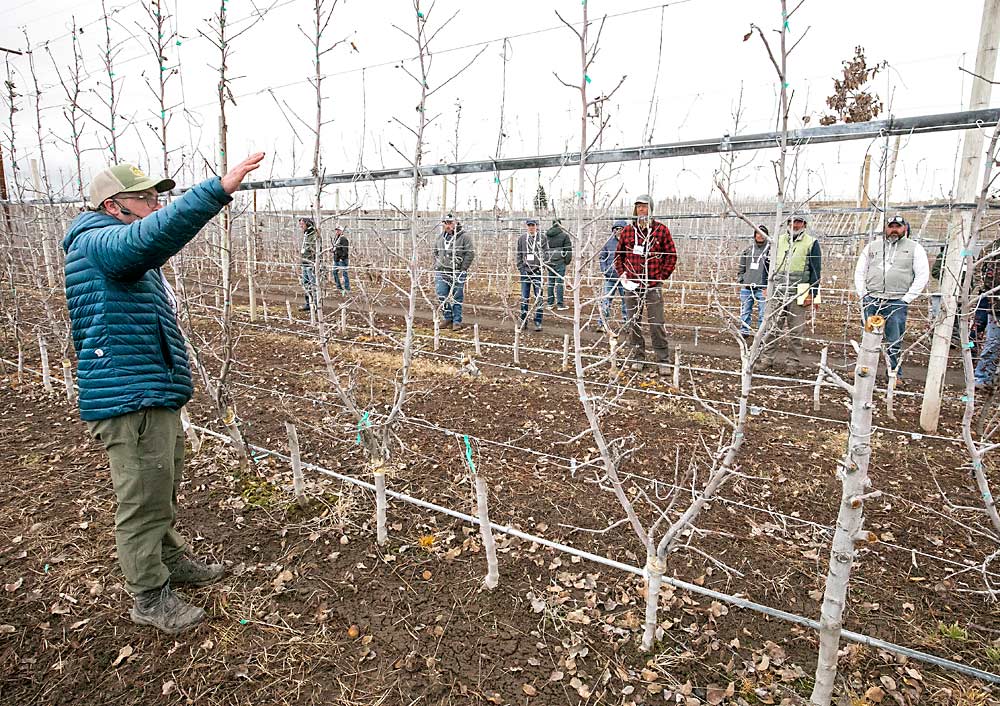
[(920, 124)]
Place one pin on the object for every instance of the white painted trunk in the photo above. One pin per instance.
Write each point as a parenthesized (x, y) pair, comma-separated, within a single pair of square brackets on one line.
[(517, 345), (677, 367), (43, 351), (475, 339), (654, 579), (189, 429), (68, 381), (855, 486), (486, 531), (381, 535), (565, 358), (298, 482), (819, 379)]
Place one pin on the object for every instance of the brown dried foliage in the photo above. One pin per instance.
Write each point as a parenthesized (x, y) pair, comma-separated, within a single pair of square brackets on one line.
[(851, 101)]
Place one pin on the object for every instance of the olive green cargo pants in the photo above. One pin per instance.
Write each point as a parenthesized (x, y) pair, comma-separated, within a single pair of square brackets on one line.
[(146, 450)]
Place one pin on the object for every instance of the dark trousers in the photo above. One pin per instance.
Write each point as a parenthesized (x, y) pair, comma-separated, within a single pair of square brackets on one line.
[(650, 301)]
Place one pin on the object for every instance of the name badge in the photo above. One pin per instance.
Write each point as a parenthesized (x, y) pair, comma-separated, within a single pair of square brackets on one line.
[(530, 258), (447, 245), (638, 250), (754, 265)]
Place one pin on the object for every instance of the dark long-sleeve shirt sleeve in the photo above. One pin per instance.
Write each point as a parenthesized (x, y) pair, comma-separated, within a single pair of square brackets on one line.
[(815, 268)]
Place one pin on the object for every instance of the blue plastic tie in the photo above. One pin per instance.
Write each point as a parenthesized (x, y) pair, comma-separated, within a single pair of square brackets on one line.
[(468, 453), (364, 422)]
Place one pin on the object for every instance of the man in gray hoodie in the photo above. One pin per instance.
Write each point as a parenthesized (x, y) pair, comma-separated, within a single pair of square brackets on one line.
[(453, 255), (752, 276)]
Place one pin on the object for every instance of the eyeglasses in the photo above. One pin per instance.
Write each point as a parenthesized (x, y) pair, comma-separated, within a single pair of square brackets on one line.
[(149, 199)]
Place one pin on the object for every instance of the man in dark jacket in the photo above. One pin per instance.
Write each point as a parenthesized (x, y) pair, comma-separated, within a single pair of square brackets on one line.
[(133, 370), (532, 250), (453, 256), (989, 281), (646, 257), (752, 276), (612, 285), (560, 255), (341, 253), (307, 256)]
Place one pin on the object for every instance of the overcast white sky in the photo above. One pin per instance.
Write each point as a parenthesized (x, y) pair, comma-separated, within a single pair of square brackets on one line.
[(703, 65)]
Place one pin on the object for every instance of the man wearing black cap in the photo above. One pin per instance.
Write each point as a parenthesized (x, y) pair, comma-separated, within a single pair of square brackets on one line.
[(133, 370), (453, 255), (891, 272), (532, 250), (752, 276)]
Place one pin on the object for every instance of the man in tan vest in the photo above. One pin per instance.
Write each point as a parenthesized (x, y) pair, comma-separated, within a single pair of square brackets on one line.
[(892, 272)]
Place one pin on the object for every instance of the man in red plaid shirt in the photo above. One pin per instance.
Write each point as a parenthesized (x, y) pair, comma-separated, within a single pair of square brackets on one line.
[(645, 257)]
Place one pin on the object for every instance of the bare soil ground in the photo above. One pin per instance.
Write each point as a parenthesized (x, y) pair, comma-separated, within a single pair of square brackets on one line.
[(556, 630)]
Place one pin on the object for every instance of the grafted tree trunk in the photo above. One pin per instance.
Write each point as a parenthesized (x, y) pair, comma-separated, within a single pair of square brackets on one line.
[(856, 486)]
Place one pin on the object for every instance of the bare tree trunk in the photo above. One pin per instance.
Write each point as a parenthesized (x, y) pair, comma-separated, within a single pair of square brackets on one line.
[(486, 531), (855, 488)]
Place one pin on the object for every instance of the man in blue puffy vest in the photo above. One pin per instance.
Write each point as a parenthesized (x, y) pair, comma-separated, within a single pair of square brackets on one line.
[(133, 370)]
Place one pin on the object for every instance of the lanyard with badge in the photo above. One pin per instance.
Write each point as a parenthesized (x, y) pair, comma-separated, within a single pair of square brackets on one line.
[(532, 247), (639, 248), (755, 264)]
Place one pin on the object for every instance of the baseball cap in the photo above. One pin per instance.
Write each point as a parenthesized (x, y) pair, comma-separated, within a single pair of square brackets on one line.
[(643, 198), (619, 224), (896, 220), (531, 222), (447, 218), (124, 178)]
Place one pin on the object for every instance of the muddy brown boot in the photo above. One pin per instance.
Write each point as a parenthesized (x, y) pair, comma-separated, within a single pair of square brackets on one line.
[(165, 611), (192, 571)]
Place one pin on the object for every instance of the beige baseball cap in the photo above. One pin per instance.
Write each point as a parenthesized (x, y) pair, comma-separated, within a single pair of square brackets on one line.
[(123, 178)]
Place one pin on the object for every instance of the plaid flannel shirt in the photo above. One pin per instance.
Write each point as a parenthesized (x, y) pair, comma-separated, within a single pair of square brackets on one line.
[(658, 258)]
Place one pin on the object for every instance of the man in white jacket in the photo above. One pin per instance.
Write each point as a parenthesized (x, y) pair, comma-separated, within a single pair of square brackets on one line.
[(891, 272)]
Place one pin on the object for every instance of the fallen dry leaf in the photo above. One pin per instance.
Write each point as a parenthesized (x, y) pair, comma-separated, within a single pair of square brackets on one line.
[(875, 695), (123, 655), (529, 689)]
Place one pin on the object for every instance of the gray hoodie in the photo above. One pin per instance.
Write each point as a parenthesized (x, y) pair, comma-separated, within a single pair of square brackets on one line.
[(751, 276)]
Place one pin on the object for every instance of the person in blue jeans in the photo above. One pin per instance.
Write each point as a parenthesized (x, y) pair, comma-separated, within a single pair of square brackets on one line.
[(560, 253), (989, 277), (612, 283), (453, 256), (892, 272), (341, 254), (752, 276), (532, 249)]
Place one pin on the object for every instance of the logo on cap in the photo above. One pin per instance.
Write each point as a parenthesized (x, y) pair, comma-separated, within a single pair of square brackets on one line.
[(138, 173)]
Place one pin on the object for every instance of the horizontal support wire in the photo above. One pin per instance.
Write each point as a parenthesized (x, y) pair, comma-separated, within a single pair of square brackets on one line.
[(941, 122)]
